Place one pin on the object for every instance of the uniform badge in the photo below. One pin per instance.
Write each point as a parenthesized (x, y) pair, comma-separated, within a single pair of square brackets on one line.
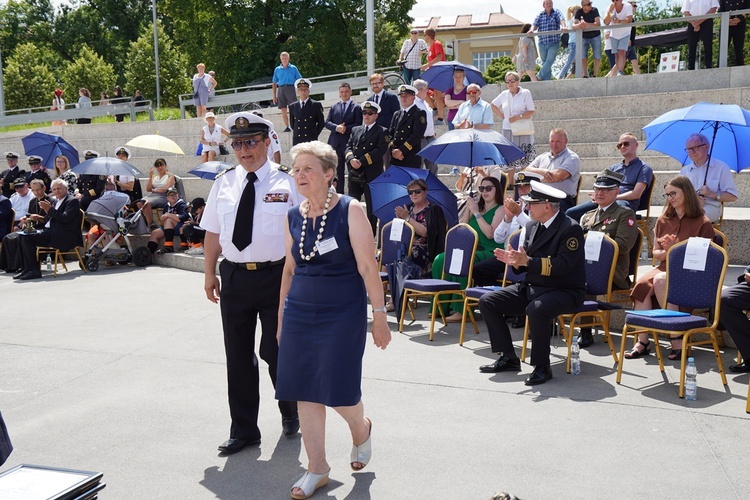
[(276, 198), (572, 244), (422, 119), (285, 169), (631, 222), (102, 177)]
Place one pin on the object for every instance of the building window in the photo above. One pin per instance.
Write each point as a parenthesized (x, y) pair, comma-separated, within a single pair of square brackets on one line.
[(483, 59)]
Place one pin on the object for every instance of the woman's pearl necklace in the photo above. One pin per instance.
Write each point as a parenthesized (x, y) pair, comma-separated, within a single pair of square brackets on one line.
[(305, 209)]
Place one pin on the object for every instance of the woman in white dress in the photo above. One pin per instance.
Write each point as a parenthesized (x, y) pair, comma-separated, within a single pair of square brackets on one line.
[(212, 135)]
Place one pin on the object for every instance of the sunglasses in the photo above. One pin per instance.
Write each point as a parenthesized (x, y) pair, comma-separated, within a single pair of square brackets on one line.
[(623, 144), (473, 92), (485, 189), (670, 195), (369, 113), (695, 148), (414, 191), (249, 143), (510, 81)]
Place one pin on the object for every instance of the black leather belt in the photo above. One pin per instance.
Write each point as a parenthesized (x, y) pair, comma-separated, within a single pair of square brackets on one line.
[(287, 85), (254, 266)]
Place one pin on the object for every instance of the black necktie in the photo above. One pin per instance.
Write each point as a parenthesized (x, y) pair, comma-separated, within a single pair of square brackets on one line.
[(242, 235), (539, 231), (377, 99)]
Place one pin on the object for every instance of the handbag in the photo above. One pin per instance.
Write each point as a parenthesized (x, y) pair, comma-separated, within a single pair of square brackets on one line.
[(564, 40), (223, 150), (524, 126), (402, 63)]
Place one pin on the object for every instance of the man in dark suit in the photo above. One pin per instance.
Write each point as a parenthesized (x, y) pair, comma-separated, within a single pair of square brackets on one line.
[(553, 258), (63, 230), (388, 102), (9, 175), (306, 115), (342, 118), (364, 156), (407, 130), (10, 254)]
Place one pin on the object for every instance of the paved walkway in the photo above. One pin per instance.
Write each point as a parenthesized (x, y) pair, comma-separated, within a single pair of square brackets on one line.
[(122, 371)]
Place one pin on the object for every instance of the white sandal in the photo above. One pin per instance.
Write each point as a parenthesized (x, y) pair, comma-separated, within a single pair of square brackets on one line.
[(362, 453), (310, 482)]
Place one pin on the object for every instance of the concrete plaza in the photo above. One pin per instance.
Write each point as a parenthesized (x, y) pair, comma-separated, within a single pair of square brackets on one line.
[(122, 371)]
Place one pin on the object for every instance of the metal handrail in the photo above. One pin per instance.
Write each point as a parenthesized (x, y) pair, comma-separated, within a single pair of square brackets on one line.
[(27, 116)]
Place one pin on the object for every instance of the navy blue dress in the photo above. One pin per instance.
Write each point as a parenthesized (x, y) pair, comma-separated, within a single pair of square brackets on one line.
[(324, 326)]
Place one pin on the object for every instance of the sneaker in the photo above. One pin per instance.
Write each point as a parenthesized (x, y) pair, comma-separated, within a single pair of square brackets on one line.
[(167, 250), (195, 251)]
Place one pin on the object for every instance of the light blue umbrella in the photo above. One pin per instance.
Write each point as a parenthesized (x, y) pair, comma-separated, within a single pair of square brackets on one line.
[(470, 147), (210, 169), (440, 75), (727, 126)]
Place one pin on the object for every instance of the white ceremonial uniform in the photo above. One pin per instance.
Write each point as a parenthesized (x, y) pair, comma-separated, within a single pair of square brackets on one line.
[(275, 194)]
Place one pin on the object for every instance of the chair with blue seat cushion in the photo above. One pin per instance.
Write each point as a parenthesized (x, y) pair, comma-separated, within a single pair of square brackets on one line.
[(472, 295), (599, 276), (687, 289), (389, 248), (460, 246)]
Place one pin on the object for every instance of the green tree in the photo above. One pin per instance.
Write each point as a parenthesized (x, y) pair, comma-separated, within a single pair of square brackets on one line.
[(91, 71), (140, 69), (495, 72), (28, 80), (25, 21), (648, 58)]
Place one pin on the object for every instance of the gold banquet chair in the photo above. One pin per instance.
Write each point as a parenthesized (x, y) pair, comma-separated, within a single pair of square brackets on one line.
[(389, 249), (688, 289), (623, 296), (60, 254), (642, 220)]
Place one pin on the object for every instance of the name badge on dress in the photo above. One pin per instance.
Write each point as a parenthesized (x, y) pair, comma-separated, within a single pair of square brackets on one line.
[(327, 245)]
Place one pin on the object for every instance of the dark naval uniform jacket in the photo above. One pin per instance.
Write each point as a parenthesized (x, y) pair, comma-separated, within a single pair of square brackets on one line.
[(367, 146), (389, 105), (307, 122), (556, 257), (618, 223), (9, 177), (406, 132), (42, 175)]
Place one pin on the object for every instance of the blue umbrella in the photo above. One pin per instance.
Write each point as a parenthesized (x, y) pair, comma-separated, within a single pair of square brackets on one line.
[(48, 146), (726, 125), (210, 169), (440, 75), (471, 147), (106, 165), (388, 191)]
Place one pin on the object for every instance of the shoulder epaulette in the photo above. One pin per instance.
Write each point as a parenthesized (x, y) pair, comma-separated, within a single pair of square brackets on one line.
[(285, 169), (225, 171)]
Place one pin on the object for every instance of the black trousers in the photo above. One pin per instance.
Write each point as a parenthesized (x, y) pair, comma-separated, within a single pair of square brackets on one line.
[(705, 35), (737, 38), (10, 252), (28, 244), (488, 271), (734, 300), (340, 168), (245, 297), (356, 190), (541, 311)]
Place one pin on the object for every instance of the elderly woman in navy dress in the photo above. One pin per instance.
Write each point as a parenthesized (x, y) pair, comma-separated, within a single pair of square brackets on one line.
[(329, 272)]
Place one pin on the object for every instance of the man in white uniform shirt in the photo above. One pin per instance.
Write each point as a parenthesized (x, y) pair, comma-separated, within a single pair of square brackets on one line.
[(429, 131), (244, 221)]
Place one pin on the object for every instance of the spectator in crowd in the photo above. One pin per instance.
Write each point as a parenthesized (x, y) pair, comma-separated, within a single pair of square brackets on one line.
[(282, 87), (62, 230), (305, 115), (388, 101), (619, 39), (203, 83), (552, 257), (37, 171), (342, 118), (638, 176), (407, 129), (89, 186), (550, 19), (608, 49), (435, 54), (10, 174), (84, 101), (483, 215), (470, 178), (617, 222), (429, 131), (127, 184), (512, 105), (429, 225), (138, 99), (364, 157), (58, 104), (7, 224), (103, 99), (21, 198), (570, 64), (700, 30), (632, 54), (560, 167), (274, 149), (454, 97), (10, 256), (735, 301), (212, 92), (159, 182), (714, 182), (683, 218), (588, 17), (118, 98), (174, 215), (63, 171), (737, 27), (191, 231), (475, 112), (411, 55), (525, 58), (212, 136)]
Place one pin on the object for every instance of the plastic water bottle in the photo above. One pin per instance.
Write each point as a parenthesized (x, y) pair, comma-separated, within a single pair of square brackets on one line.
[(691, 381), (575, 357), (644, 249), (454, 170), (49, 263)]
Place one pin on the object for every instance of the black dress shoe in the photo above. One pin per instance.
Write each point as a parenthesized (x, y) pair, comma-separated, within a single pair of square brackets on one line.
[(518, 322), (585, 339), (743, 367), (540, 375), (18, 276), (290, 426), (31, 275), (233, 445), (503, 364)]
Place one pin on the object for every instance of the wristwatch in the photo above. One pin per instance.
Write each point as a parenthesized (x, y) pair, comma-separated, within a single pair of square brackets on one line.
[(379, 309)]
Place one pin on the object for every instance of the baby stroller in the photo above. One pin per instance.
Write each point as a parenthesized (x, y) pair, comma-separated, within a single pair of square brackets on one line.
[(107, 213)]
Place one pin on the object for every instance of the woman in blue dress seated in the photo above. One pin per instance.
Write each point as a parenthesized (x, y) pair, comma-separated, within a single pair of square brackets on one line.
[(328, 275)]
